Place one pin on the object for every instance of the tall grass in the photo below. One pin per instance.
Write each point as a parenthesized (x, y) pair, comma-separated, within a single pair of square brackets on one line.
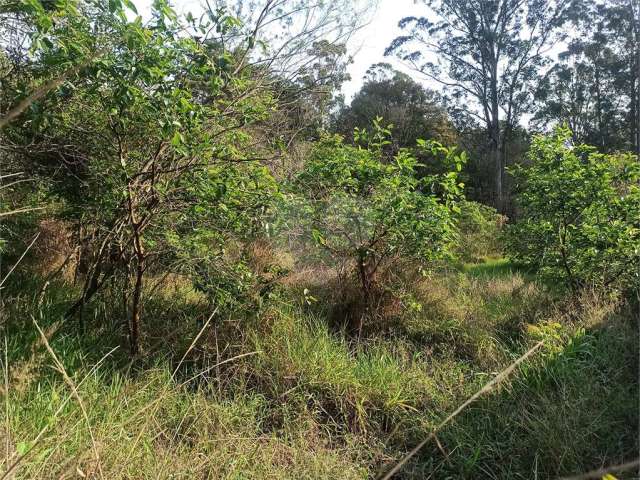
[(286, 395)]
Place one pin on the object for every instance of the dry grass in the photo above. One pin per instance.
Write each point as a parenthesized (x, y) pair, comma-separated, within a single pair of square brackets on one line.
[(190, 434), (54, 250)]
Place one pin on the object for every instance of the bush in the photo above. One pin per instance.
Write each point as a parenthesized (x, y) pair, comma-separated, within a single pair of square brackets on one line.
[(580, 212), (479, 230), (362, 211)]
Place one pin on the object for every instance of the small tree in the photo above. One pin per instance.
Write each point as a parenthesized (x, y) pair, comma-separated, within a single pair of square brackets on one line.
[(359, 209), (137, 142), (580, 213)]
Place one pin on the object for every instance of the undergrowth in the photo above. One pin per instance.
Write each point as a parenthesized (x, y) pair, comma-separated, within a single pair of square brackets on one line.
[(284, 394)]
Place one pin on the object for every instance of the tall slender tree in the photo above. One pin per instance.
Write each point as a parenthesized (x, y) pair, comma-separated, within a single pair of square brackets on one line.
[(486, 51), (635, 30)]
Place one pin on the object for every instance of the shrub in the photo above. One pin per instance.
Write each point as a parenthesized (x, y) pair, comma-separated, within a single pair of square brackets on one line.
[(226, 211), (364, 212), (580, 214), (158, 168), (479, 230)]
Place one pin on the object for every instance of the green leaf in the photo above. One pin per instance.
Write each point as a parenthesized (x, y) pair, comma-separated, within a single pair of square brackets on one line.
[(177, 140), (23, 447), (130, 5), (115, 5), (317, 236)]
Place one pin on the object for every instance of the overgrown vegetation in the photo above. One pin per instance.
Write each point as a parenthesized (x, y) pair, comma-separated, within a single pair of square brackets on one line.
[(214, 268), (580, 214), (367, 213)]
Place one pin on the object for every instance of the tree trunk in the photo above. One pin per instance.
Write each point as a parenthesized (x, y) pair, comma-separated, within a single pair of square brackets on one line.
[(138, 250), (634, 117), (134, 327), (365, 285), (565, 260), (497, 162), (635, 12), (494, 134), (599, 107), (496, 153), (136, 300), (504, 139)]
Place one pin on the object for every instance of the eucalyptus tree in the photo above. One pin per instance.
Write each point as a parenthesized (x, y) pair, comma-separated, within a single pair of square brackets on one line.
[(299, 53), (487, 52), (635, 12), (595, 86), (305, 102)]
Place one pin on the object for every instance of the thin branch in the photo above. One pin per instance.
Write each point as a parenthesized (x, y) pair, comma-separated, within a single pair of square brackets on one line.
[(602, 472), (20, 210), (487, 388), (19, 260), (44, 89)]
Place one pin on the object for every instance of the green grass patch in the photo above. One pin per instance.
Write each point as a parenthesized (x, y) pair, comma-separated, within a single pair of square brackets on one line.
[(297, 399), (490, 268)]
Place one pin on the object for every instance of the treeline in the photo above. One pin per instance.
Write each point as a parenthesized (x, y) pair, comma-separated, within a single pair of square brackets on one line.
[(171, 146), (494, 63)]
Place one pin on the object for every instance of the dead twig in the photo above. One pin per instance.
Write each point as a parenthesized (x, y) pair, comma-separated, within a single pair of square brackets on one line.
[(601, 472), (20, 210), (19, 260)]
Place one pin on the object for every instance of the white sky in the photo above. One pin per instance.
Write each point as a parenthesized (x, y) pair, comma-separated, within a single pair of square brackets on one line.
[(368, 45)]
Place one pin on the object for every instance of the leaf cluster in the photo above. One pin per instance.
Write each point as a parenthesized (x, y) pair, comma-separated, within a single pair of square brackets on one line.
[(356, 205), (579, 213)]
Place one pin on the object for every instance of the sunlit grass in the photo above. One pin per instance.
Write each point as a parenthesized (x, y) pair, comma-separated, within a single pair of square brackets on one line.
[(298, 399), (492, 267)]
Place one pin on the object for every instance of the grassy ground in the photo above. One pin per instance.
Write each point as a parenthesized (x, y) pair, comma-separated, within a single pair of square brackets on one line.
[(284, 394)]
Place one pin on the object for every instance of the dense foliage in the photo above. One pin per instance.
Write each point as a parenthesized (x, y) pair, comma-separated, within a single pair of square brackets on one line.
[(479, 232), (234, 273), (414, 111), (580, 213), (367, 212), (595, 86), (151, 143)]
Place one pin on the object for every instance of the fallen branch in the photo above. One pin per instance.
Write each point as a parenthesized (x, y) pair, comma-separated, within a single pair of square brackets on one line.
[(488, 387), (602, 472)]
